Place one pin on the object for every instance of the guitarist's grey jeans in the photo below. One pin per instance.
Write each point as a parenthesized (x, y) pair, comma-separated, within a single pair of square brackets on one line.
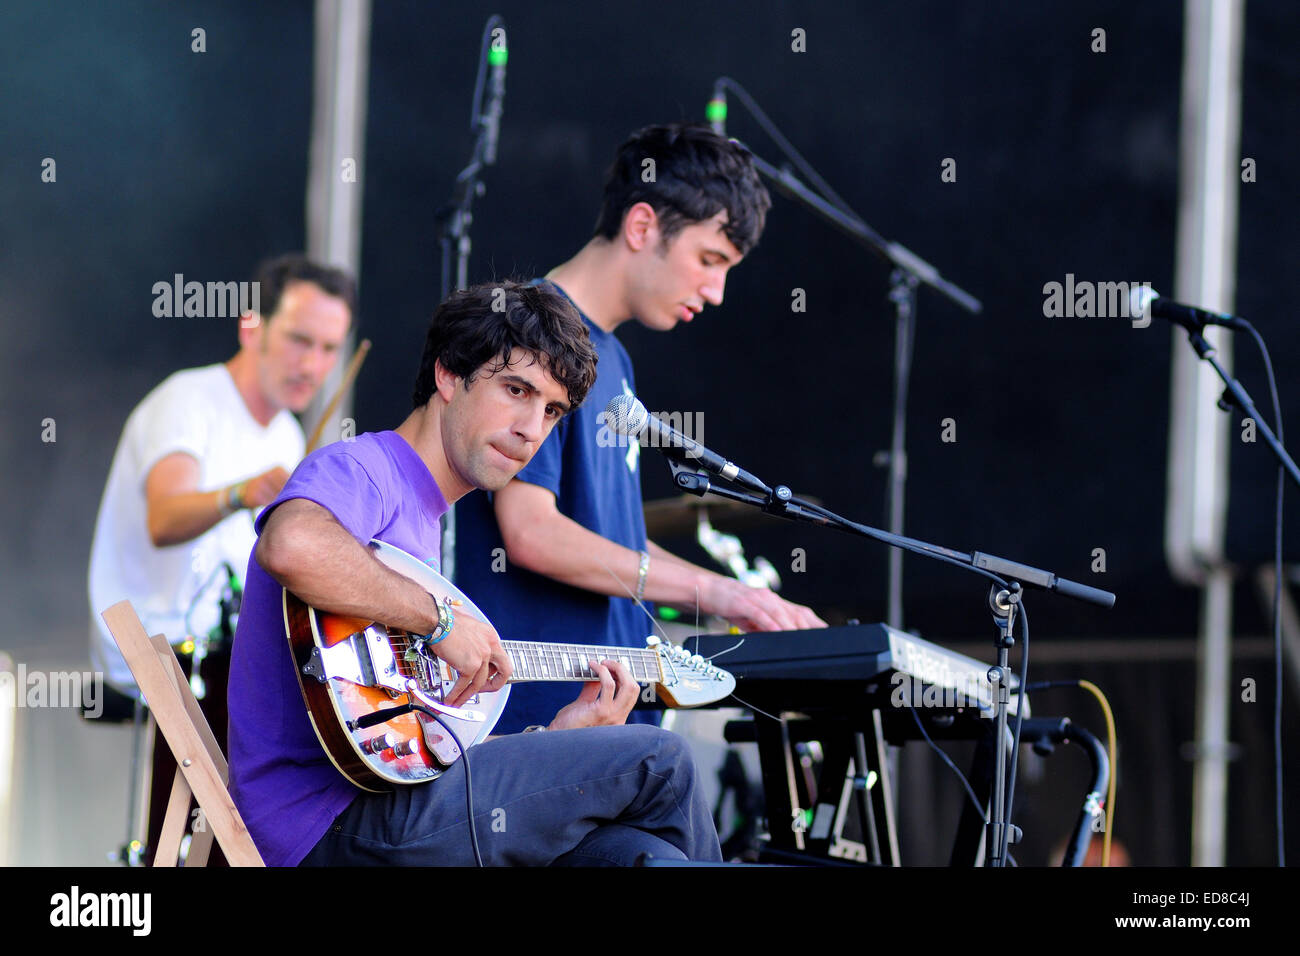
[(600, 796)]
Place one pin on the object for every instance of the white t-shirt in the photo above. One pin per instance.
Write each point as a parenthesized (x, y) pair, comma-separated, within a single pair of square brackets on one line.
[(199, 412)]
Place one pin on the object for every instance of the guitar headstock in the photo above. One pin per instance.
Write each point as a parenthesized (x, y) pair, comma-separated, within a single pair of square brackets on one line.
[(688, 679)]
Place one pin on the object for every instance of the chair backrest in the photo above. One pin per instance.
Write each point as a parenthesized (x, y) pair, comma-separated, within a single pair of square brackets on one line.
[(201, 767)]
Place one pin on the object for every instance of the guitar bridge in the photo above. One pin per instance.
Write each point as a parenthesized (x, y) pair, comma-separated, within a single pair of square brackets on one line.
[(365, 658)]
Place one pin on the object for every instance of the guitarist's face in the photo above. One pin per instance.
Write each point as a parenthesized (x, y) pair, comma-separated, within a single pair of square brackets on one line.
[(494, 426)]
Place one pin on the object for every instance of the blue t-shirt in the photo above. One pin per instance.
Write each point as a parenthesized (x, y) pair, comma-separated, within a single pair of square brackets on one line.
[(281, 778), (596, 478)]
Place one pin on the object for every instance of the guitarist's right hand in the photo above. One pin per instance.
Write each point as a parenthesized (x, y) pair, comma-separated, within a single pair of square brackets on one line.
[(474, 649)]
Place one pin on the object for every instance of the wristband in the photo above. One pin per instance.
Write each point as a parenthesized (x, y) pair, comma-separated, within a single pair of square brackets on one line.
[(230, 500), (446, 620), (642, 573)]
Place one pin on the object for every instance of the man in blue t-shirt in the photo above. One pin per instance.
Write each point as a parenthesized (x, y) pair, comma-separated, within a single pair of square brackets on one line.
[(493, 383), (561, 553)]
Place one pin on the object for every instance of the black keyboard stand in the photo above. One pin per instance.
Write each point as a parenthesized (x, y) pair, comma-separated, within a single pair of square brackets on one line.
[(846, 814), (817, 811)]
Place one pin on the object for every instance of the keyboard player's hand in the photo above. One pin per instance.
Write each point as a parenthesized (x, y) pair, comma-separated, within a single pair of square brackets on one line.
[(755, 609)]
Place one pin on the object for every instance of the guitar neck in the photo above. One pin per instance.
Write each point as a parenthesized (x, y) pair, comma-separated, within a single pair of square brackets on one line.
[(543, 662)]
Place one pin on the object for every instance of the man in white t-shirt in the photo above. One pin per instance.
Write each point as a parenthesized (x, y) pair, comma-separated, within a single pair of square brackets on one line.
[(203, 450)]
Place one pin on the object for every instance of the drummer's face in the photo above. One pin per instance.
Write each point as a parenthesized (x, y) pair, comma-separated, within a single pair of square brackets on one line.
[(299, 344)]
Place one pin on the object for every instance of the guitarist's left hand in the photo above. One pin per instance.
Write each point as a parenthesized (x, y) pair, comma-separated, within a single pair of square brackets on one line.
[(606, 703)]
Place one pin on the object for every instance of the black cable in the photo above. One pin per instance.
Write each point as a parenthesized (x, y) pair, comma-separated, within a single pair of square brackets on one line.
[(1024, 664), (194, 601), (785, 145), (1049, 684), (1277, 599), (469, 796), (970, 791)]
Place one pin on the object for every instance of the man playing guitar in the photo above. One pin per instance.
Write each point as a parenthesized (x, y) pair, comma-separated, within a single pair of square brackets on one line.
[(492, 384)]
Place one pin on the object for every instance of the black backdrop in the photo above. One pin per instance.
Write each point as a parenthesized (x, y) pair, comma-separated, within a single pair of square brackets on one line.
[(173, 161)]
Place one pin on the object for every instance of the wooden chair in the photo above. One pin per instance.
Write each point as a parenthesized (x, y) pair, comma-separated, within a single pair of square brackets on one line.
[(201, 767)]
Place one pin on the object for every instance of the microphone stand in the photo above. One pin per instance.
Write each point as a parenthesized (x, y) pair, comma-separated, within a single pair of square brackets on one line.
[(908, 272), (455, 218), (1004, 601), (1235, 394)]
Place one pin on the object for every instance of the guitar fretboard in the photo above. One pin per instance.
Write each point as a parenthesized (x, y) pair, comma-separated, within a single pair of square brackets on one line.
[(539, 662)]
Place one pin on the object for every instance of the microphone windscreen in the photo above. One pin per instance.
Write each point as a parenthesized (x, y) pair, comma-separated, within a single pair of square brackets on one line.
[(1140, 298), (624, 415)]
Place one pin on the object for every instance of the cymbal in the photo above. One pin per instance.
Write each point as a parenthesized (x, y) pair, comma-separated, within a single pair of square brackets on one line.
[(678, 517)]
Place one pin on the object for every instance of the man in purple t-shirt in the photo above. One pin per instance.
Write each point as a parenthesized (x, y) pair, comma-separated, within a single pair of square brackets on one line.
[(492, 384)]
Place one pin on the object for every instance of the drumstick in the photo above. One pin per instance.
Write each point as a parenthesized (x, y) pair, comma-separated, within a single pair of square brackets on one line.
[(353, 367)]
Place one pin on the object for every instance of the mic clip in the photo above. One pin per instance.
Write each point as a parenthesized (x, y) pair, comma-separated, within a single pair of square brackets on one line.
[(690, 481), (779, 501)]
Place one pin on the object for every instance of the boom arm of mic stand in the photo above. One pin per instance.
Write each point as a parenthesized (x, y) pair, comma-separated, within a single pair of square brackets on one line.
[(1241, 398), (785, 505), (698, 484), (896, 255)]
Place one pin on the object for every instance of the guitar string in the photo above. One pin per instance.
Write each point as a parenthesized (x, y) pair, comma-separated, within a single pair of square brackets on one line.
[(637, 601), (401, 642), (543, 654), (551, 656), (641, 605), (714, 657), (754, 709)]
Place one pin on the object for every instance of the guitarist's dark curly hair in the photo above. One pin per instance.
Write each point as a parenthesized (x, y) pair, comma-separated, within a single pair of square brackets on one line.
[(476, 329)]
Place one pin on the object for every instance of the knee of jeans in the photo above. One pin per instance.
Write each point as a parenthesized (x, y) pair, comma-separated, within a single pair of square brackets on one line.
[(673, 748)]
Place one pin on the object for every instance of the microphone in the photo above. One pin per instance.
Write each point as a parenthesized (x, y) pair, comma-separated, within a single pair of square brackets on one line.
[(497, 56), (627, 416), (716, 111), (1144, 300)]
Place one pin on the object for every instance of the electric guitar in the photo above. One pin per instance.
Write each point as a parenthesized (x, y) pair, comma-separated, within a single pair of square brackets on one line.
[(361, 680)]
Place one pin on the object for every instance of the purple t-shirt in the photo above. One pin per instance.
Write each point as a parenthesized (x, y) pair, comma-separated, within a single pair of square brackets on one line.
[(281, 779)]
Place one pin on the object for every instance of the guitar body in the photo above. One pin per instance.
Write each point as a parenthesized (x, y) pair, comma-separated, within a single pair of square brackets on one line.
[(354, 656), (358, 677)]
